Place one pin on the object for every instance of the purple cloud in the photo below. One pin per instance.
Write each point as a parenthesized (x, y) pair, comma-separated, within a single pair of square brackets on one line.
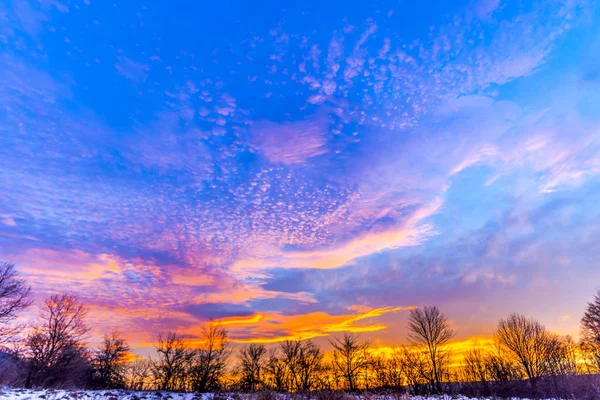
[(291, 142)]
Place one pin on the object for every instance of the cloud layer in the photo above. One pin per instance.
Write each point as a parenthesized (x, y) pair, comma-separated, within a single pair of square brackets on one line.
[(303, 179)]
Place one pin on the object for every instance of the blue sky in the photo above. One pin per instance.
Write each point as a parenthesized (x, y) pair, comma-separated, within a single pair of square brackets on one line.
[(302, 169)]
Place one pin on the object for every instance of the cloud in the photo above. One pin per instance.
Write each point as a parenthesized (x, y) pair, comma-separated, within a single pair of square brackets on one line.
[(485, 8), (138, 290), (320, 169), (273, 328), (291, 142), (132, 70), (410, 234)]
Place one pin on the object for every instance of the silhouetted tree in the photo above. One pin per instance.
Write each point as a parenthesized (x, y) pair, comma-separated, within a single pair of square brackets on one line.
[(351, 359), (209, 361), (109, 362), (57, 354), (561, 356), (560, 360), (429, 328), (276, 371), (386, 371), (303, 362), (590, 332), (253, 360), (476, 368), (171, 368), (138, 374), (411, 361), (526, 341), (15, 296), (502, 369)]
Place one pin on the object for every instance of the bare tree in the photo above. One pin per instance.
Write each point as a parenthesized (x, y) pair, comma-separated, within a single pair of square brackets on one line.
[(253, 360), (303, 362), (109, 362), (138, 374), (351, 359), (56, 349), (429, 328), (275, 370), (170, 369), (411, 361), (475, 369), (290, 350), (475, 366), (210, 360), (386, 371), (501, 368), (15, 296), (526, 341), (311, 365), (590, 332), (328, 379), (561, 356), (560, 360)]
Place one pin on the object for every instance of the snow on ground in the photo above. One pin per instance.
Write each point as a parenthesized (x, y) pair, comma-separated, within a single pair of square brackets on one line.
[(51, 394)]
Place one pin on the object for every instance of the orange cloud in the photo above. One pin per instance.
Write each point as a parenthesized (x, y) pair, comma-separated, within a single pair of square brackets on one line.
[(274, 327), (241, 320)]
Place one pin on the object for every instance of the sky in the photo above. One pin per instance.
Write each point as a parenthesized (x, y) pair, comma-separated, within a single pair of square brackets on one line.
[(302, 169)]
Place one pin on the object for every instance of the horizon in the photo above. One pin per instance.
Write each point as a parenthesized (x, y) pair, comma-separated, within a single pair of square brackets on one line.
[(296, 171)]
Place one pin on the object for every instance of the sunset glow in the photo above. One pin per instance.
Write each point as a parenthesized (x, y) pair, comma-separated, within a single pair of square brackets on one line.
[(297, 170)]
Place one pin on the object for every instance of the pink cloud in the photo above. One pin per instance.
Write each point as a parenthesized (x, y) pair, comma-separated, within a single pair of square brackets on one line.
[(290, 142), (413, 232)]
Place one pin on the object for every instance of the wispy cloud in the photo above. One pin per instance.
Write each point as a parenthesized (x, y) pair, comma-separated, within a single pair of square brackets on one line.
[(291, 142), (132, 70), (272, 328)]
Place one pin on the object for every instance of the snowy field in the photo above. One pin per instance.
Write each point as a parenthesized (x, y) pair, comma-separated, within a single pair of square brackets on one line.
[(49, 394)]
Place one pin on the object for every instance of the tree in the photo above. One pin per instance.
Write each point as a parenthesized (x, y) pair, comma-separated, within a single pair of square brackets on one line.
[(303, 362), (411, 361), (170, 369), (501, 369), (310, 366), (561, 355), (109, 362), (526, 341), (276, 371), (351, 358), (15, 296), (386, 371), (253, 359), (560, 361), (138, 374), (475, 367), (429, 328), (209, 361), (57, 353), (590, 331)]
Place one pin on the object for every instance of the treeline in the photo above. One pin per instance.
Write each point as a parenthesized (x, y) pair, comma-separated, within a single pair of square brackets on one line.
[(525, 360)]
